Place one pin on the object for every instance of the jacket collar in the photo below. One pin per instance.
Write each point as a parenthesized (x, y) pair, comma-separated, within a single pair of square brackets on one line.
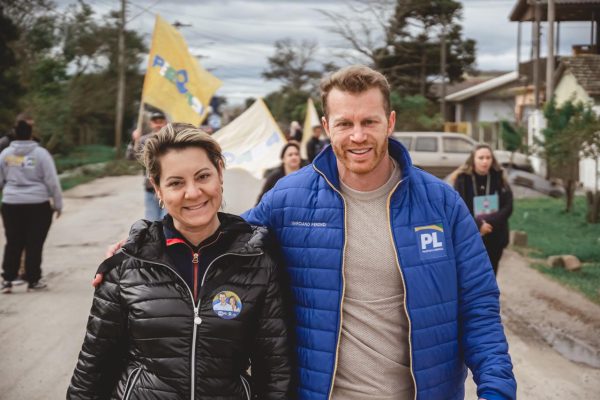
[(326, 162), (147, 240)]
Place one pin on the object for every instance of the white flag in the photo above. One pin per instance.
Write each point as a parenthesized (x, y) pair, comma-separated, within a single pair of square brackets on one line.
[(252, 141), (311, 119)]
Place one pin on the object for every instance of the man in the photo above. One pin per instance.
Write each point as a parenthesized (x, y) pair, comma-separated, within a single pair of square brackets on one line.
[(153, 211), (316, 143), (393, 291)]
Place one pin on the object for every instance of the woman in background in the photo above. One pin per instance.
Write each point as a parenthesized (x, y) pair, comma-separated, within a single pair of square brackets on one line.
[(28, 181), (290, 162), (483, 187)]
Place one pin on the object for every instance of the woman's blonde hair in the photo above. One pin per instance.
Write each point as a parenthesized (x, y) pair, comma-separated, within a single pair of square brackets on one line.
[(176, 136), (469, 166)]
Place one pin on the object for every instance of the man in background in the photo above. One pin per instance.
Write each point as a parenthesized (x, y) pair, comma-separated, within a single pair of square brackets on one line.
[(153, 211)]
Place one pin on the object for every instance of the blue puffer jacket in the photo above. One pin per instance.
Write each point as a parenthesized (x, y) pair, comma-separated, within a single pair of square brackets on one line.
[(451, 293)]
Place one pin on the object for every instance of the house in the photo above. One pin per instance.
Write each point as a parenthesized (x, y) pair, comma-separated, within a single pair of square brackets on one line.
[(578, 79), (478, 109)]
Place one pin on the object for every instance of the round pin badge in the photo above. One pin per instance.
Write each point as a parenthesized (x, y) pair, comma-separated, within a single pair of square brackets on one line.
[(227, 304)]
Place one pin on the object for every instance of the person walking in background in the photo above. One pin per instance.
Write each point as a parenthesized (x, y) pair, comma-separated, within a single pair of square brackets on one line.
[(295, 133), (290, 162), (316, 143), (161, 326), (483, 186), (28, 180), (153, 211)]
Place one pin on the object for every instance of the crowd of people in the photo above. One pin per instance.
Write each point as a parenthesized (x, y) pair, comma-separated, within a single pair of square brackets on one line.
[(355, 276)]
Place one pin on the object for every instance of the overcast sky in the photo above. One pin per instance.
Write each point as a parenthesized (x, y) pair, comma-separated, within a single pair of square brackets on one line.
[(235, 37)]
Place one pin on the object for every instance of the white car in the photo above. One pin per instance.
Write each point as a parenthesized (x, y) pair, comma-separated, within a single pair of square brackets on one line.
[(440, 153)]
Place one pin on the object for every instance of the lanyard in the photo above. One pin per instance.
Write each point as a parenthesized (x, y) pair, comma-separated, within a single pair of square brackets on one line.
[(487, 185)]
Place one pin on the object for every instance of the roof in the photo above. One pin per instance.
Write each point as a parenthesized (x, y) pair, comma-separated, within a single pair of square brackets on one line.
[(586, 70), (484, 87), (467, 82), (566, 10)]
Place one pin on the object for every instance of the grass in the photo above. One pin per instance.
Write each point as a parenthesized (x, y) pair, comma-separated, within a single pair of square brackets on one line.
[(110, 168), (83, 155), (551, 231)]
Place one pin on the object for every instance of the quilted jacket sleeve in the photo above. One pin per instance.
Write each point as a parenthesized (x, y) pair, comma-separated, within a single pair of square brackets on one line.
[(101, 358), (261, 213), (272, 355), (482, 334)]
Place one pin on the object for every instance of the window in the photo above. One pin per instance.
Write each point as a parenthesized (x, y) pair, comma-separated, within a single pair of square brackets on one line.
[(406, 141), (457, 145), (426, 144)]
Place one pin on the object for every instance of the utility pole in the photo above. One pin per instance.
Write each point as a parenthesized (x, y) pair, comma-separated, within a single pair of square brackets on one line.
[(443, 72), (550, 61), (536, 50), (121, 82)]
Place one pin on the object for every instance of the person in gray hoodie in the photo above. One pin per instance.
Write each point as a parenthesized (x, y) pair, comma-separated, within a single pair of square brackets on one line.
[(28, 181)]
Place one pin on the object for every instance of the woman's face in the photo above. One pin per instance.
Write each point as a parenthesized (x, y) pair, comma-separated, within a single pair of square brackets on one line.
[(291, 158), (232, 301), (190, 187), (482, 161)]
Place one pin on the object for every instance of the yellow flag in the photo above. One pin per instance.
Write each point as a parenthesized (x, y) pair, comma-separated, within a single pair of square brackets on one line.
[(175, 82), (252, 141), (311, 119)]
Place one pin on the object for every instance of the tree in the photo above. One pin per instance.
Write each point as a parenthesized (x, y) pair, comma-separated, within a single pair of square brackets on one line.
[(512, 137), (415, 113), (572, 129), (402, 40), (65, 64), (293, 64)]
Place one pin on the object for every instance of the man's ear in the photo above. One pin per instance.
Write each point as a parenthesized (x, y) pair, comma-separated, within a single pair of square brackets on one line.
[(391, 122), (325, 126)]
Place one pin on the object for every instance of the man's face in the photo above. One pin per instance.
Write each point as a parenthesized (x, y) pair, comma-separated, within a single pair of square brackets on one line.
[(157, 123), (358, 127), (317, 131)]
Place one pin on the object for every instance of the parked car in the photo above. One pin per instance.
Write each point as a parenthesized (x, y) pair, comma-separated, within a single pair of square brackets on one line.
[(440, 153)]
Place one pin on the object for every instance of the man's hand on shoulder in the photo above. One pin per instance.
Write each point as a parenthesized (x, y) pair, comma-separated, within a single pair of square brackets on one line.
[(110, 251)]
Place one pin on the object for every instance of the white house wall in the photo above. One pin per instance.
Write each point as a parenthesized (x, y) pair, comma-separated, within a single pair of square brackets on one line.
[(491, 110)]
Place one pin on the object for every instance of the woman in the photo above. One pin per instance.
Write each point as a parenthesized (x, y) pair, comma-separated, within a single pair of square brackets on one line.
[(28, 180), (482, 185), (155, 330), (290, 162)]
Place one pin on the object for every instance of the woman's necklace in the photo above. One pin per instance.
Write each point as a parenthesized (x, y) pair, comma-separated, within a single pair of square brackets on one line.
[(480, 188)]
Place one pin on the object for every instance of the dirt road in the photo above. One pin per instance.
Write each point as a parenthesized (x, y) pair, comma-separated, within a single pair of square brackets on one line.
[(41, 333)]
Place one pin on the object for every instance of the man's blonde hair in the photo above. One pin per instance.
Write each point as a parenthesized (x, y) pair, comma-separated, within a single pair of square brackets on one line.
[(177, 136), (355, 79)]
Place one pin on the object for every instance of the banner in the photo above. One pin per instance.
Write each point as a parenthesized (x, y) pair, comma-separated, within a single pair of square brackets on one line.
[(175, 82), (252, 141), (311, 119)]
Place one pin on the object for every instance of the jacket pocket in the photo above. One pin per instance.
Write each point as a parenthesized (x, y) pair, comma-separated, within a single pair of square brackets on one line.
[(246, 386), (131, 381)]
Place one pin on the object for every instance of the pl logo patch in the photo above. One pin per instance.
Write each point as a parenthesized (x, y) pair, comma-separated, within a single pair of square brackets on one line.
[(227, 304), (431, 241)]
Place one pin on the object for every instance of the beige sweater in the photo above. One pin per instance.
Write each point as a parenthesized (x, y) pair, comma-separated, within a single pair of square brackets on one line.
[(373, 360)]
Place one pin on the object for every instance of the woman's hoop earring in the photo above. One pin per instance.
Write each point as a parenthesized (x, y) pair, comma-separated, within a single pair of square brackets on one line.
[(161, 204)]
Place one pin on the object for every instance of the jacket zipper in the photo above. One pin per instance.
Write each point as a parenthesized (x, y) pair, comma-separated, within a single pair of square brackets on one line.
[(129, 388), (337, 345), (195, 265), (246, 387), (412, 375), (197, 320)]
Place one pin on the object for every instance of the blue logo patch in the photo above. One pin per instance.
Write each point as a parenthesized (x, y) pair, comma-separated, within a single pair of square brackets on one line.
[(431, 241)]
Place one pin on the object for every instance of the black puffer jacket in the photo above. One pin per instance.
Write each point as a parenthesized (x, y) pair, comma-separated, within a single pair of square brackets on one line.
[(147, 340)]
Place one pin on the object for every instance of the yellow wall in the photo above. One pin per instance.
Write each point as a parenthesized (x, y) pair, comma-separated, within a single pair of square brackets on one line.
[(568, 87)]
